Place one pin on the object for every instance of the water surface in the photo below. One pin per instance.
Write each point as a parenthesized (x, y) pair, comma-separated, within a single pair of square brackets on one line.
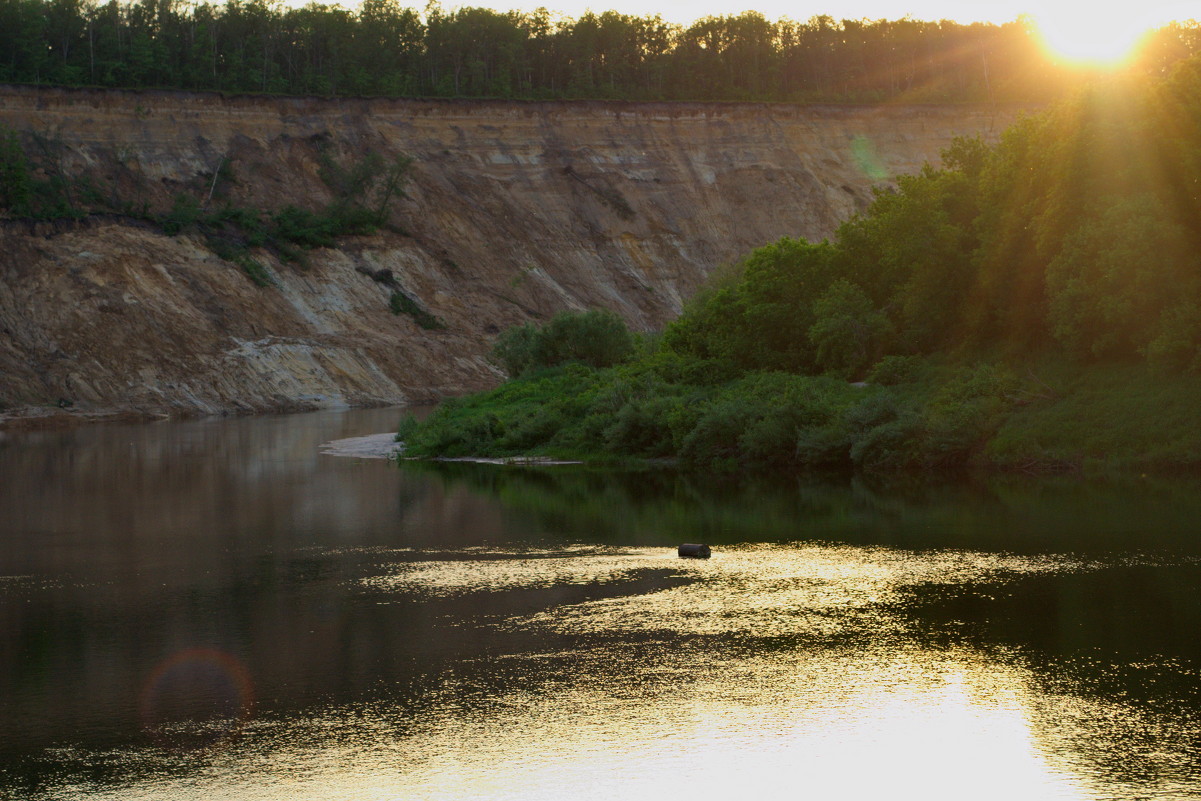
[(216, 610)]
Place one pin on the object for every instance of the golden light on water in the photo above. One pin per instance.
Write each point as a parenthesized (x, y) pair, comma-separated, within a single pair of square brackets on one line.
[(800, 724), (769, 672)]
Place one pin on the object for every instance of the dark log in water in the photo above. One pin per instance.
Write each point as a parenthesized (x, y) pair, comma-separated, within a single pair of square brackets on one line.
[(695, 551)]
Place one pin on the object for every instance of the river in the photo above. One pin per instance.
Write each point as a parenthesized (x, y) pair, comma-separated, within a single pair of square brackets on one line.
[(215, 609)]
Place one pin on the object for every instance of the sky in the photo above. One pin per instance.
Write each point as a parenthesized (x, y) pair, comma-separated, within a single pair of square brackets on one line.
[(1101, 30), (1151, 12)]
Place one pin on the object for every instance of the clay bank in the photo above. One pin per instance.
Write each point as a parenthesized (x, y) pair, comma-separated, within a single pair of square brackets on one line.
[(512, 211)]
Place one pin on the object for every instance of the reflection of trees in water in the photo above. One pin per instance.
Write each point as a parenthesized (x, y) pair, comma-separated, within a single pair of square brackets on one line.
[(1124, 630), (1002, 512)]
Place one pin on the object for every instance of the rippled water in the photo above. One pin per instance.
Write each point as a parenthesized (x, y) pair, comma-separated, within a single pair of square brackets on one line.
[(216, 610)]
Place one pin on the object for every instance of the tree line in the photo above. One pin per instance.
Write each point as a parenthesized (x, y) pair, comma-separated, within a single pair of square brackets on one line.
[(382, 48)]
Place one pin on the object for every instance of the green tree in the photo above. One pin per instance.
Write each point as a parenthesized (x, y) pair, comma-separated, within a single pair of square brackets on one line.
[(16, 185), (847, 332), (760, 319), (1118, 274)]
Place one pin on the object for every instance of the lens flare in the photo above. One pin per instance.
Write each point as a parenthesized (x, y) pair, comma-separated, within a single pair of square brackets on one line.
[(196, 699), (867, 159)]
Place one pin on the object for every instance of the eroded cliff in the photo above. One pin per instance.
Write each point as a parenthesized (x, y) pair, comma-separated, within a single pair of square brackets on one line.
[(513, 211)]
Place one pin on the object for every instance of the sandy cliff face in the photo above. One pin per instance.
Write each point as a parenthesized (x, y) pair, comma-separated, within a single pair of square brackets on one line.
[(514, 211)]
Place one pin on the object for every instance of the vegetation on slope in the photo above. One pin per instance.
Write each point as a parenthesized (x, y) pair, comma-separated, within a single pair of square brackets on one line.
[(383, 48), (35, 184), (1034, 304)]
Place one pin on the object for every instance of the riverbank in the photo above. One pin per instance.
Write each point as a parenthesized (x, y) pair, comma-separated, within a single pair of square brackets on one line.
[(29, 418), (1046, 416), (386, 446), (372, 446)]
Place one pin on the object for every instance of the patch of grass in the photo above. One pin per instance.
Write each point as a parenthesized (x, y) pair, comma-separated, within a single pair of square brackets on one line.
[(185, 214), (400, 303), (236, 253)]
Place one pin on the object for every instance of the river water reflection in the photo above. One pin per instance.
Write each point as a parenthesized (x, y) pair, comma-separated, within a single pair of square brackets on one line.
[(215, 610)]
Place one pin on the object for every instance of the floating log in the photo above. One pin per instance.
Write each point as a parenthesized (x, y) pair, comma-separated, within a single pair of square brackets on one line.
[(691, 550)]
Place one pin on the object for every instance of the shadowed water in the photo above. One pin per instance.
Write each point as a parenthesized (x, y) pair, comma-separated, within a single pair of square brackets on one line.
[(217, 610)]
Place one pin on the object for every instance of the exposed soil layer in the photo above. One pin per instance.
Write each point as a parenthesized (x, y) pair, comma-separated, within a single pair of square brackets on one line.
[(514, 211)]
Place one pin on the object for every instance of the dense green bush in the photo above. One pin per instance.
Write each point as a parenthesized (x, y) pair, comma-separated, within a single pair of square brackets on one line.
[(847, 331), (598, 338), (519, 417), (35, 187), (1176, 344), (963, 412), (643, 427), (16, 183), (895, 370)]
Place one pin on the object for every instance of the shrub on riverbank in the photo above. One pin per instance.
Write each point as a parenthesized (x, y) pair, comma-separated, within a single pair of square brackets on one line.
[(1055, 416)]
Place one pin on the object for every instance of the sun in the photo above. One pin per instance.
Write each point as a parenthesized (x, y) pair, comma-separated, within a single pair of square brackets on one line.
[(1090, 37)]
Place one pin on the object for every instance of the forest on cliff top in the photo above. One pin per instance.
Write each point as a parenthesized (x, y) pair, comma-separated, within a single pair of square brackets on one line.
[(385, 49), (1033, 304)]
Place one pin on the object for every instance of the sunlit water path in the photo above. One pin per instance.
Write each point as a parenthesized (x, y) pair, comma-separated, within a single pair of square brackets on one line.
[(219, 610)]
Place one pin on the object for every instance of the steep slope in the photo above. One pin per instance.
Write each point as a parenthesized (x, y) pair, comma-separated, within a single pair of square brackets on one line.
[(513, 211)]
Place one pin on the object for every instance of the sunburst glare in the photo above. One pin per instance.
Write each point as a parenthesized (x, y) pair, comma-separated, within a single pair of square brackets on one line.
[(1092, 38)]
